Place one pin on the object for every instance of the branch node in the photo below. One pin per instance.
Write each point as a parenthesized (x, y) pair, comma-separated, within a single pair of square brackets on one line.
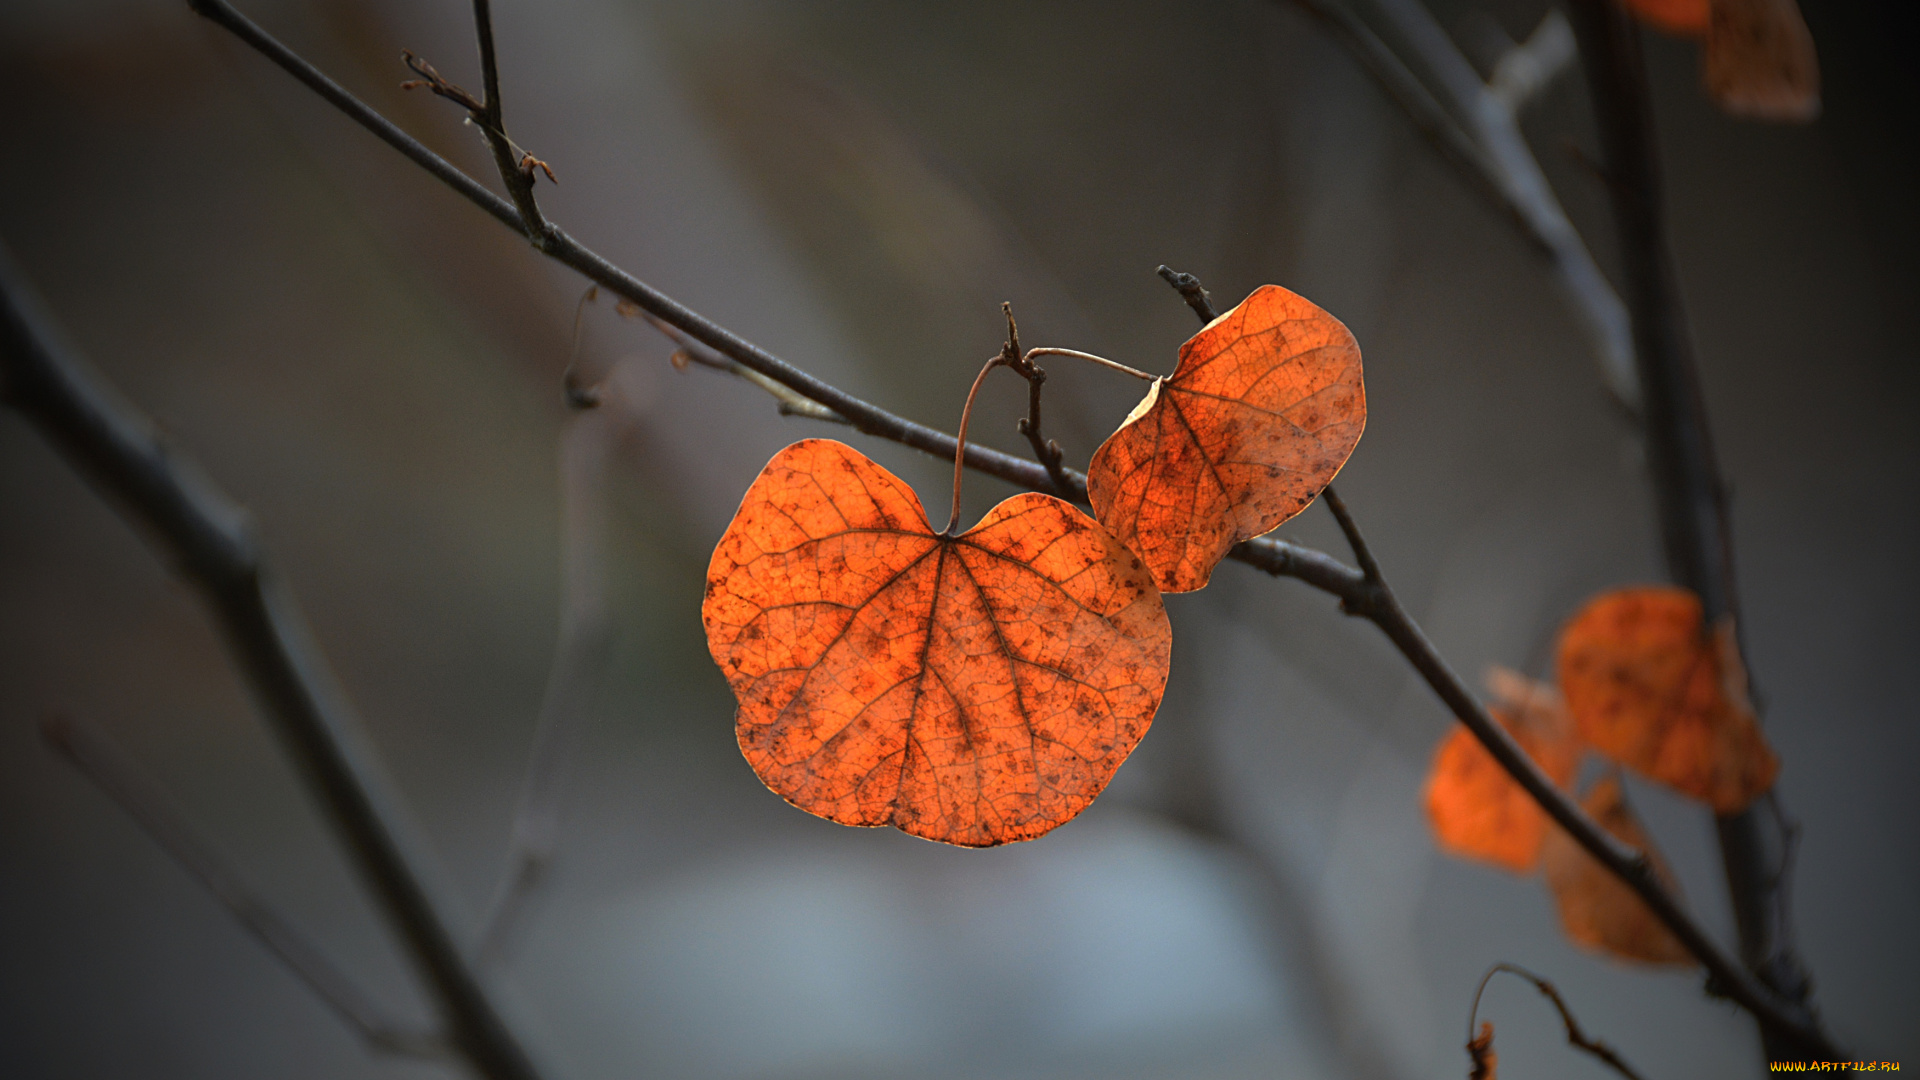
[(1190, 290), (1046, 451)]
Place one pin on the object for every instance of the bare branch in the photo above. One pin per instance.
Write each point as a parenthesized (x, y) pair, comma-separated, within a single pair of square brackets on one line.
[(1478, 130), (89, 752), (516, 165), (1690, 495), (1575, 1036), (207, 539), (1358, 593)]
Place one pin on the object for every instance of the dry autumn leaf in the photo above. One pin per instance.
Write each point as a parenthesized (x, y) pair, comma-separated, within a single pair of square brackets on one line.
[(1760, 61), (1476, 809), (1486, 1063), (1687, 18), (1648, 688), (1261, 412), (1597, 909), (974, 689)]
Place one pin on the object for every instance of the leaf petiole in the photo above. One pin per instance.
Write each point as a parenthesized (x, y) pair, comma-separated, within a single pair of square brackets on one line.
[(960, 439), (1101, 360)]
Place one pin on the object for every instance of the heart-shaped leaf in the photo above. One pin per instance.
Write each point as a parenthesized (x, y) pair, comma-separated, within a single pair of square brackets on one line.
[(974, 689)]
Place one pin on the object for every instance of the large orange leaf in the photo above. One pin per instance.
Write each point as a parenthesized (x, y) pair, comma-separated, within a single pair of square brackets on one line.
[(1597, 909), (1760, 61), (1650, 689), (1261, 412), (1476, 809), (1687, 18), (975, 689)]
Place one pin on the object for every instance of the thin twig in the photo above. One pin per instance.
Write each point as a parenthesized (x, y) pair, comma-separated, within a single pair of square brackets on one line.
[(516, 166), (578, 394), (1575, 1036), (1361, 553), (580, 656), (1277, 557), (1690, 495), (208, 540), (1045, 450), (89, 752), (1190, 290)]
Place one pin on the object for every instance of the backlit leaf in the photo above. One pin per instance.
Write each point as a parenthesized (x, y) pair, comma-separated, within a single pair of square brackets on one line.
[(1476, 809), (1597, 909), (1261, 412), (1650, 689), (976, 689)]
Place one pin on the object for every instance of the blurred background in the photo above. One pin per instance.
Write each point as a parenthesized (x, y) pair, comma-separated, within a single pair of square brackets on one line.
[(374, 369)]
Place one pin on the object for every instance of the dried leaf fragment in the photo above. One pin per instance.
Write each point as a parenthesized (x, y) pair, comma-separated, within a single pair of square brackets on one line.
[(1760, 62), (1476, 809), (1486, 1063), (1598, 910), (976, 689), (1263, 409), (1649, 689)]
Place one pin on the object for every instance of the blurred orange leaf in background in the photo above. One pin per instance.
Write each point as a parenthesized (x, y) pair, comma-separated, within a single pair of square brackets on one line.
[(1477, 810), (1687, 18), (1760, 62), (976, 689), (1263, 409), (1598, 910), (1650, 689)]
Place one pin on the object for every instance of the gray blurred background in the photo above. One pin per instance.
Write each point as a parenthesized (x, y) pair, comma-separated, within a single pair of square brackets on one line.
[(373, 367)]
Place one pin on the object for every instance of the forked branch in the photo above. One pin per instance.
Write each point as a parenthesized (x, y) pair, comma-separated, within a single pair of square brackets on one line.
[(1277, 557), (1045, 450)]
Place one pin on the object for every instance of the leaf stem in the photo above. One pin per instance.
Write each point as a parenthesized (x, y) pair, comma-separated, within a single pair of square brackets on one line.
[(1101, 360), (960, 439)]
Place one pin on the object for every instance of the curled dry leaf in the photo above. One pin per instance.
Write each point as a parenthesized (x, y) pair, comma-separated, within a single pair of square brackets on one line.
[(1687, 18), (1264, 408), (1476, 809), (1649, 689), (1597, 909), (1760, 61), (1486, 1063), (975, 689)]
